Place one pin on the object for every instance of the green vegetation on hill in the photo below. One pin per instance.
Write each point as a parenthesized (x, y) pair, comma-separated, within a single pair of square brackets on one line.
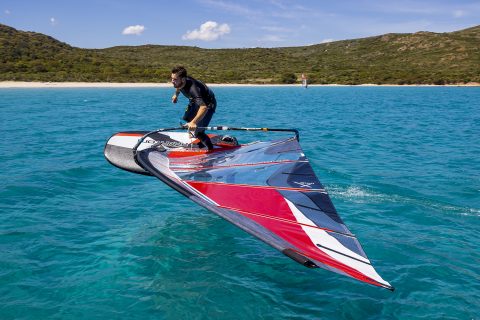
[(418, 58)]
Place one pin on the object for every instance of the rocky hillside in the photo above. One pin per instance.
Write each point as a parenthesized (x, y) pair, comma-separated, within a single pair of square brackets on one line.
[(417, 58)]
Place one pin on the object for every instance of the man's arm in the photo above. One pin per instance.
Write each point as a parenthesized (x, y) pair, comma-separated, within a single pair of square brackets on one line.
[(192, 125), (175, 96)]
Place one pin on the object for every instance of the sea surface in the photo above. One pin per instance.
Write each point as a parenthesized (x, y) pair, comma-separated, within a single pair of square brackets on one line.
[(81, 239)]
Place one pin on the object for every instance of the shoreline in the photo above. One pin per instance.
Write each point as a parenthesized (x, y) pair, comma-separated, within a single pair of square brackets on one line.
[(25, 84)]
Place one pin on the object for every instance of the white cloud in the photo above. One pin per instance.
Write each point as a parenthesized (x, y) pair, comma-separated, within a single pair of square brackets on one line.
[(327, 40), (7, 11), (279, 4), (53, 21), (276, 29), (458, 13), (229, 7), (272, 38), (137, 30), (208, 31)]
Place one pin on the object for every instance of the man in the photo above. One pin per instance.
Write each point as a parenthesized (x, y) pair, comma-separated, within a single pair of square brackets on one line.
[(201, 105)]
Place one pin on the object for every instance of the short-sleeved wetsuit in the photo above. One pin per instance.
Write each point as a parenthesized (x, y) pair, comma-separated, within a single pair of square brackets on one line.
[(198, 95)]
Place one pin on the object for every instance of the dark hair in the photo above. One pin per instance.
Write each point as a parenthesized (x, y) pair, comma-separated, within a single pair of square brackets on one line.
[(180, 71)]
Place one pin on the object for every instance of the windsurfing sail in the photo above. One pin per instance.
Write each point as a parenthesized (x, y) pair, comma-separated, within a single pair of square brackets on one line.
[(304, 81), (268, 189)]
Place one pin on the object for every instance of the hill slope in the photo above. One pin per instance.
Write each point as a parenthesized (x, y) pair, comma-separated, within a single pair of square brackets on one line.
[(418, 58)]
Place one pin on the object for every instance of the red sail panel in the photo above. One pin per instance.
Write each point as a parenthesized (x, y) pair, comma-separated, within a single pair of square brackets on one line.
[(268, 208)]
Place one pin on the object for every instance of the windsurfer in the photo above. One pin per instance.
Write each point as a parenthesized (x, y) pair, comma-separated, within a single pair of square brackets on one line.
[(304, 81), (201, 105)]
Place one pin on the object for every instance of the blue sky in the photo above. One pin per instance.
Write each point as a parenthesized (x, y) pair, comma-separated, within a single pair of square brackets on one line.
[(232, 24)]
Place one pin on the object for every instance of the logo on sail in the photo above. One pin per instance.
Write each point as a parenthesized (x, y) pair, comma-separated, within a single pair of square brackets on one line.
[(304, 184)]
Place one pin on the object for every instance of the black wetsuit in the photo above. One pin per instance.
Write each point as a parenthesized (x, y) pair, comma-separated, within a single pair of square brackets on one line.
[(198, 95)]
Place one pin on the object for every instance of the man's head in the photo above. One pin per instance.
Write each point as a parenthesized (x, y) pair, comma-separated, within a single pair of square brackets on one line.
[(179, 74)]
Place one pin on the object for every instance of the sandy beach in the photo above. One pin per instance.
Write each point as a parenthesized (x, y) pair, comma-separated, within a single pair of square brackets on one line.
[(25, 84)]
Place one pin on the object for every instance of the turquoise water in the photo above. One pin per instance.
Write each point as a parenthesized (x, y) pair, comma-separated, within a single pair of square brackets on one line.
[(80, 239)]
